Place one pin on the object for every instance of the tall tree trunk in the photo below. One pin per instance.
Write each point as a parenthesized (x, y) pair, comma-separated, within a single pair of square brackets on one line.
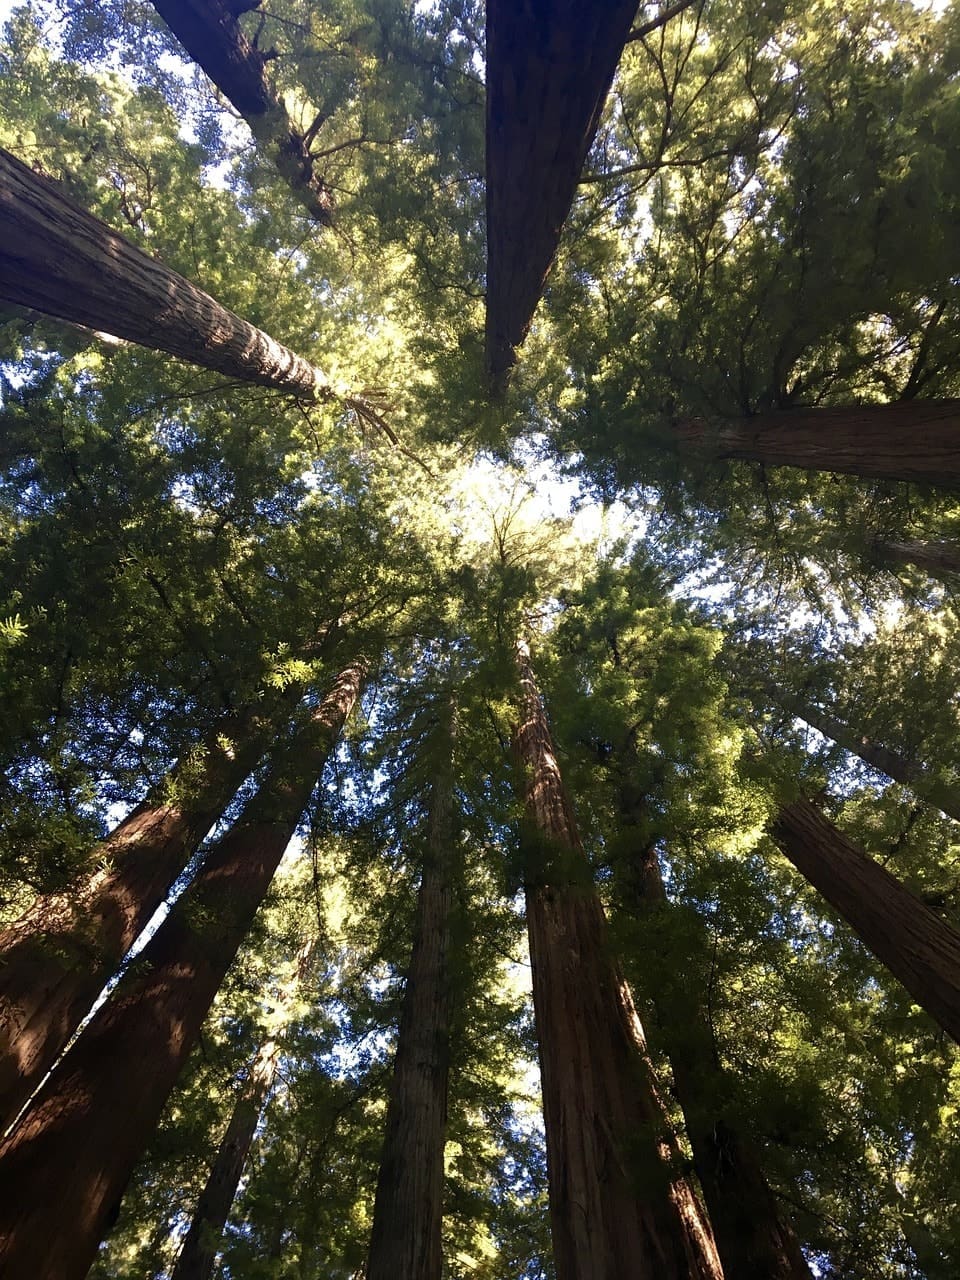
[(940, 559), (61, 260), (56, 958), (916, 440), (214, 39), (754, 1237), (917, 946), (901, 769), (407, 1216), (64, 1168), (202, 1241), (619, 1208)]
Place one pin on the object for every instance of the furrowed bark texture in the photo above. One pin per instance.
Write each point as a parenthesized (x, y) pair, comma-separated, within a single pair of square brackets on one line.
[(917, 946), (895, 766), (212, 36), (939, 559), (64, 1168), (618, 1208), (62, 261), (754, 1237), (916, 440), (550, 64), (55, 959), (407, 1216), (202, 1241)]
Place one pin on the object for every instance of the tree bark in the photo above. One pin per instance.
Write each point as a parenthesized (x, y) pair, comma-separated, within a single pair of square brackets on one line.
[(754, 1237), (55, 959), (407, 1216), (907, 772), (64, 1168), (202, 1241), (214, 39), (940, 559), (916, 440), (917, 946), (619, 1208), (549, 69), (60, 260)]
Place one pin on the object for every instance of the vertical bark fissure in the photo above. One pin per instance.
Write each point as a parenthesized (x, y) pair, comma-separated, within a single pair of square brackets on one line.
[(753, 1235), (55, 959), (407, 1218), (201, 1244), (620, 1208), (940, 559), (916, 440), (918, 947), (64, 1168), (60, 260)]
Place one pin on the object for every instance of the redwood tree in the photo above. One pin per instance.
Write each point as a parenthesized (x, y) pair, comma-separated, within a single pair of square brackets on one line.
[(64, 1168)]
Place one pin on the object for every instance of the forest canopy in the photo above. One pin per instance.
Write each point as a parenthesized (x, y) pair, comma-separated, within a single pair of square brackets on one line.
[(479, 640)]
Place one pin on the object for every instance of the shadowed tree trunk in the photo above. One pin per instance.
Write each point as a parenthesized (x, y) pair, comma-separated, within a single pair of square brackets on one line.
[(917, 946), (619, 1208), (56, 958), (754, 1236), (214, 39), (548, 71), (60, 260), (940, 559), (202, 1241), (407, 1216), (64, 1168), (907, 772), (916, 440)]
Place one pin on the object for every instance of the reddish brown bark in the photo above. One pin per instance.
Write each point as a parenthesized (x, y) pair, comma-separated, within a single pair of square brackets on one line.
[(916, 440), (407, 1217), (56, 958), (917, 946), (754, 1236), (901, 769), (940, 559), (201, 1244), (60, 260), (214, 39), (549, 68), (619, 1208), (64, 1168)]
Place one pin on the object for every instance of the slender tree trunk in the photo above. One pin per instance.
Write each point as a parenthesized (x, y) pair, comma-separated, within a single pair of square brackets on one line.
[(940, 559), (64, 1168), (754, 1237), (407, 1215), (214, 39), (56, 958), (619, 1208), (917, 946), (901, 769), (916, 440), (61, 260), (202, 1241)]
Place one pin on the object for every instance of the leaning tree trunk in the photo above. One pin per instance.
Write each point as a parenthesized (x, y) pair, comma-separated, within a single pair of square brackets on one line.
[(917, 946), (64, 1168), (407, 1216), (916, 440), (214, 39), (56, 958), (940, 559), (202, 1241), (754, 1237), (61, 260), (619, 1208), (901, 769)]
